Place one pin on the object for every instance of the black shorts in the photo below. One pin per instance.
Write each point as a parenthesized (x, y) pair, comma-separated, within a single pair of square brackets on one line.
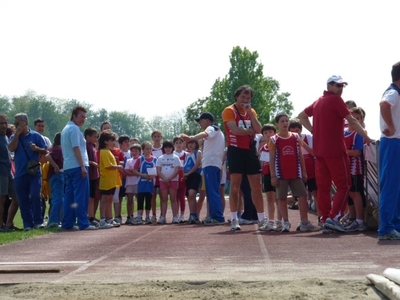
[(107, 192), (268, 187), (357, 185), (93, 185), (311, 185), (243, 161), (193, 181), (122, 191)]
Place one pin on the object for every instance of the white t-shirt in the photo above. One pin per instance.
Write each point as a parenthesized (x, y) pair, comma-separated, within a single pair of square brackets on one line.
[(129, 165), (168, 163), (213, 148), (392, 97)]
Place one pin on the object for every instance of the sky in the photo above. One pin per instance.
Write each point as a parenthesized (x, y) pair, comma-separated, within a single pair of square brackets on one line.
[(156, 57)]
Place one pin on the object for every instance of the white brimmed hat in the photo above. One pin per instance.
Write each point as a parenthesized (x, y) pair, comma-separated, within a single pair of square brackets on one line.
[(337, 79)]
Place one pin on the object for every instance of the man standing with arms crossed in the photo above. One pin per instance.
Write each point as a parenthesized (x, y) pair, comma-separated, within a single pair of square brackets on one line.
[(241, 126), (389, 164), (332, 161)]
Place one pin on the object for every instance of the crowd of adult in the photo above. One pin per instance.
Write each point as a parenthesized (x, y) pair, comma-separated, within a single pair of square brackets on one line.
[(279, 148)]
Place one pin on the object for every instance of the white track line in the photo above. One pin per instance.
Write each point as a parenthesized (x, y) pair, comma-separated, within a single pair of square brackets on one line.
[(93, 262), (264, 250)]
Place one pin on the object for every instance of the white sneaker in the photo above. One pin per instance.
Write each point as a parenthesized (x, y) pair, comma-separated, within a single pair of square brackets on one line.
[(153, 219), (308, 227), (40, 226), (175, 220), (235, 224), (265, 225), (161, 220), (277, 226), (181, 219), (137, 221), (104, 225), (90, 227), (286, 226), (147, 220), (245, 221)]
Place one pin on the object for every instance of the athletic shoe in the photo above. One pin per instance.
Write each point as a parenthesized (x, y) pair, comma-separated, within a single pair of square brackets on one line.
[(147, 220), (193, 220), (105, 225), (175, 220), (90, 227), (235, 225), (277, 226), (181, 219), (393, 235), (53, 225), (207, 218), (27, 228), (5, 229), (335, 225), (118, 220), (161, 220), (128, 220), (355, 226), (113, 223), (40, 226), (153, 219), (286, 226), (95, 223), (265, 225), (245, 221), (73, 228), (308, 227), (137, 221), (212, 222)]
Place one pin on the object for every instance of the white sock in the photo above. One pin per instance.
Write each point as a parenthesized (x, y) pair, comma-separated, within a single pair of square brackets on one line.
[(233, 215), (261, 217)]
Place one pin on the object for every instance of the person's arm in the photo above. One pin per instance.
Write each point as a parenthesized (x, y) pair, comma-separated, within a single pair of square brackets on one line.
[(53, 163), (37, 149), (173, 175), (79, 158), (302, 162), (13, 145), (305, 121), (387, 117), (274, 179), (196, 165), (358, 128), (161, 175), (255, 124), (308, 148)]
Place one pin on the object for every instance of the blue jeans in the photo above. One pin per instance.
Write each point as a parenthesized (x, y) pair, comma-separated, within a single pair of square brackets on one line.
[(57, 194), (28, 194), (389, 199), (76, 199), (212, 178)]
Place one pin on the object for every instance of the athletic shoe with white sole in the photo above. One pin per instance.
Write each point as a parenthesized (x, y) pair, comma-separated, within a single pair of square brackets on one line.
[(235, 225)]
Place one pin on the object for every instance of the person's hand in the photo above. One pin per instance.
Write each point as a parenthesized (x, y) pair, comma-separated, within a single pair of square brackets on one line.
[(32, 146), (274, 181), (246, 107), (389, 131), (83, 172), (305, 178), (56, 169), (185, 137), (20, 128), (368, 140)]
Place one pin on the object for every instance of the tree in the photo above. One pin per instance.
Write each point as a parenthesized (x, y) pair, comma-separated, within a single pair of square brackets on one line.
[(244, 70)]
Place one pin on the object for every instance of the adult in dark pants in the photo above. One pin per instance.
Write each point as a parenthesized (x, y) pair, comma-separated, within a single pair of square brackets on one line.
[(249, 215)]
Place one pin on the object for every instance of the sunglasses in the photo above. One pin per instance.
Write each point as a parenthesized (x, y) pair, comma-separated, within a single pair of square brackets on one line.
[(340, 85)]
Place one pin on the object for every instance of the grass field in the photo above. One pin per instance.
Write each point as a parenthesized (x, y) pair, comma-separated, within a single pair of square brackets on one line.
[(10, 237)]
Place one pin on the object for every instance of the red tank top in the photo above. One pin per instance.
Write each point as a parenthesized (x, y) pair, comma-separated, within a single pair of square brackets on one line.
[(239, 141), (287, 157)]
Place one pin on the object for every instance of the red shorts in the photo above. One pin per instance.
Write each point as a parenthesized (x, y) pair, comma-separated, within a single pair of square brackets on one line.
[(172, 185)]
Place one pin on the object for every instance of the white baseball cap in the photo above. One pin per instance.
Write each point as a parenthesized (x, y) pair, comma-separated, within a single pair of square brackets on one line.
[(337, 79)]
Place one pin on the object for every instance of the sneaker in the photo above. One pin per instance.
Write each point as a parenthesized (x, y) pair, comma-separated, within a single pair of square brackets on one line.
[(207, 218), (235, 225), (181, 219), (118, 220), (212, 222), (95, 223), (153, 219), (128, 220), (40, 226), (355, 226), (277, 226), (245, 221), (335, 225), (90, 227), (147, 220), (286, 226), (73, 228), (27, 228), (193, 220), (175, 220), (105, 225), (393, 235), (308, 227), (113, 223), (53, 225), (265, 225), (137, 221), (5, 229), (161, 220)]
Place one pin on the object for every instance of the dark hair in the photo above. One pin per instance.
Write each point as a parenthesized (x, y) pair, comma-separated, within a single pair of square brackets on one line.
[(268, 127), (295, 123), (89, 131), (280, 115), (243, 89), (76, 111), (146, 143), (137, 147), (105, 136), (105, 123), (177, 138), (57, 139), (396, 72), (156, 132), (197, 147), (351, 103), (167, 144), (123, 138), (358, 110), (38, 120)]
